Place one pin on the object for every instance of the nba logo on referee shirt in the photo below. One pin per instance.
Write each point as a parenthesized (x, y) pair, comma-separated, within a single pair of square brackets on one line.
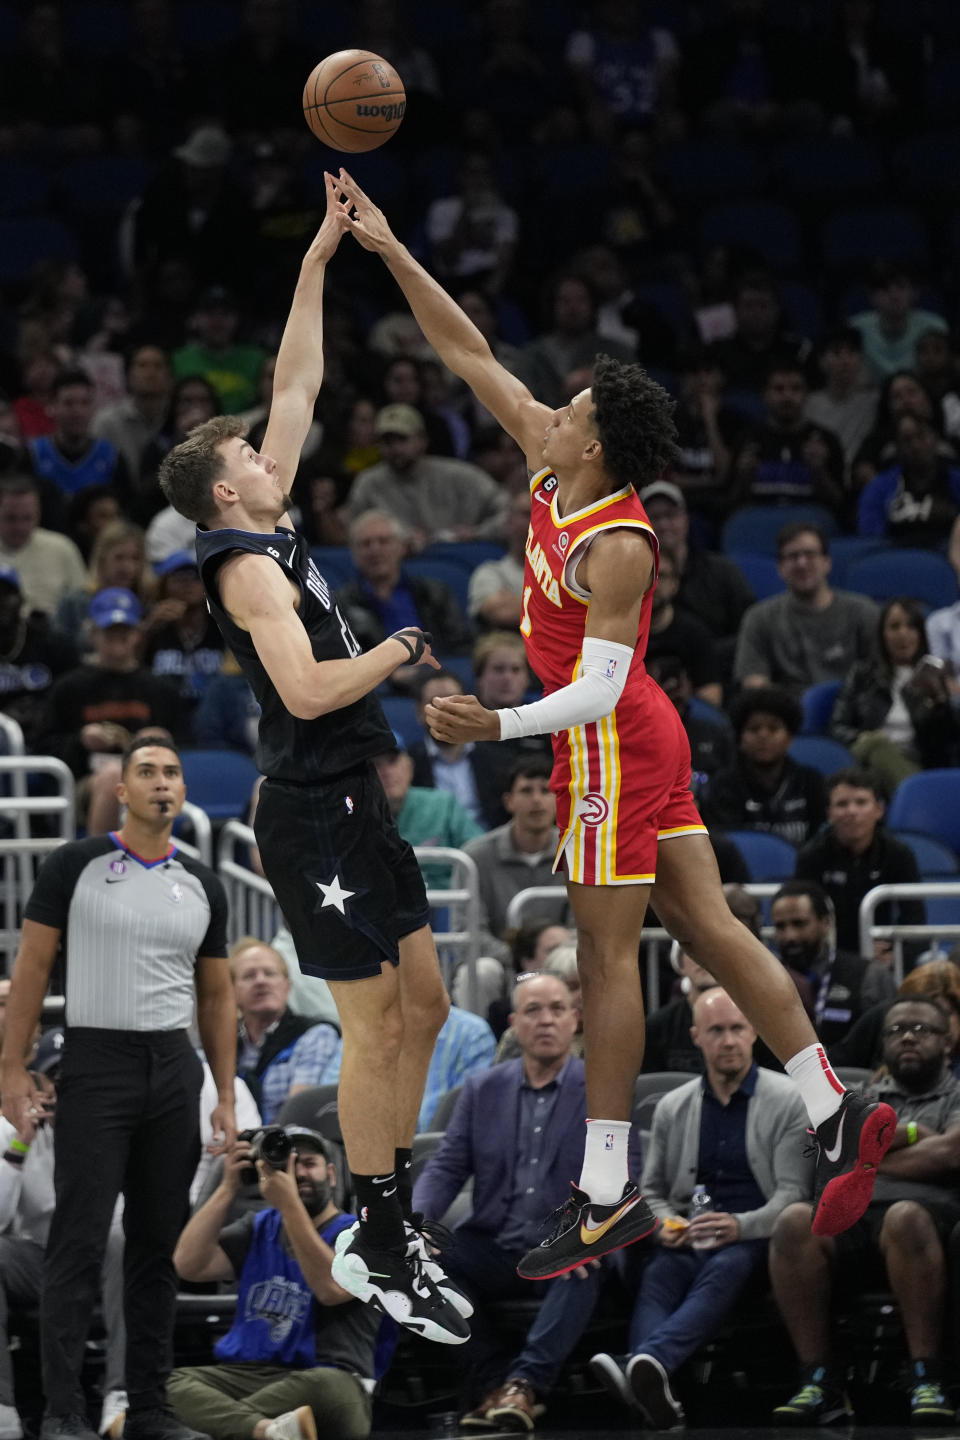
[(177, 892), (118, 867)]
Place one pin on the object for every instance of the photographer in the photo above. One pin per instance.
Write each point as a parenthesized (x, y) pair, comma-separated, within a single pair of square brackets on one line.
[(300, 1353)]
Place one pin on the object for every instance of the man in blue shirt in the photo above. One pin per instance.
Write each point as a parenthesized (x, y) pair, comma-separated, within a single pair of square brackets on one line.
[(737, 1132), (517, 1130), (301, 1352)]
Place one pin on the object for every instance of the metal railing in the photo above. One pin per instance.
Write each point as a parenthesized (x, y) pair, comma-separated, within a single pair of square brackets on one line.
[(907, 890), (201, 846), (652, 939), (254, 910), (20, 851)]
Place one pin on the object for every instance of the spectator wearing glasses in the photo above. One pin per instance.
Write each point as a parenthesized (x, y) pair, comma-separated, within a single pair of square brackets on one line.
[(916, 1204), (812, 632)]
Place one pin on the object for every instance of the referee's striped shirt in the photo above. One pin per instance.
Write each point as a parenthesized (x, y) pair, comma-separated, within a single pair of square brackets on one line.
[(132, 930)]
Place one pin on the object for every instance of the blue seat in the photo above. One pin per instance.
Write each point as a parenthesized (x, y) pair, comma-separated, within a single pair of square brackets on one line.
[(935, 860), (924, 574), (852, 238), (845, 550), (457, 577), (757, 225), (930, 163), (401, 713), (803, 308), (930, 803), (24, 188), (761, 571), (459, 665), (703, 710), (335, 564), (756, 527), (818, 702), (705, 169), (219, 781), (824, 166), (821, 752), (468, 553), (767, 857), (29, 238)]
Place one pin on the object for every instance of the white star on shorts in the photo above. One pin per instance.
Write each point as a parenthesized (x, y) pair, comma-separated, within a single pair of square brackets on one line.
[(334, 894)]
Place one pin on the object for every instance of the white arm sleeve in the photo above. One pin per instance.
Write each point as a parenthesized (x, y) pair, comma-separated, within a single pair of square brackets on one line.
[(604, 667)]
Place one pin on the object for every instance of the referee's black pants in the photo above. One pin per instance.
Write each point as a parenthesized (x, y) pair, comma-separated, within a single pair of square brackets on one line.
[(128, 1118)]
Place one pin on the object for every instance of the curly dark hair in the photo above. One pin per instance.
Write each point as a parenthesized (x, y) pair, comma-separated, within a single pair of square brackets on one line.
[(634, 420), (766, 700)]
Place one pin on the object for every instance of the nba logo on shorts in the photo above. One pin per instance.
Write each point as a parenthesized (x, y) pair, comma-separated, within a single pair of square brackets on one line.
[(348, 801), (608, 1140)]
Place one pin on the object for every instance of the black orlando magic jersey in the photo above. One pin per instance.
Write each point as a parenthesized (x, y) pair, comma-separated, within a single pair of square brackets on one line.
[(302, 751)]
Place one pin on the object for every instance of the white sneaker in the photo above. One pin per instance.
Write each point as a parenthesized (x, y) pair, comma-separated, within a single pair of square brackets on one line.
[(418, 1244), (293, 1425), (113, 1414), (10, 1427)]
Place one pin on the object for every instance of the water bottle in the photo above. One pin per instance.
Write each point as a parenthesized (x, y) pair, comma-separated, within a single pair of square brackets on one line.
[(702, 1204)]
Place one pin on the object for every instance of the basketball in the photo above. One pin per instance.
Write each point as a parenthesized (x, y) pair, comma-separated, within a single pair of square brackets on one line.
[(354, 101)]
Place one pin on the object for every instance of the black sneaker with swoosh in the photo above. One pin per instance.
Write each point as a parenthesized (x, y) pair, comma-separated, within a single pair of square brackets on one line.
[(398, 1283), (583, 1231), (850, 1146)]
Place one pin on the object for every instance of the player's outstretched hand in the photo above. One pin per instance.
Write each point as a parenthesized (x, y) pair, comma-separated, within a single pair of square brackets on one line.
[(459, 718), (369, 224), (335, 222)]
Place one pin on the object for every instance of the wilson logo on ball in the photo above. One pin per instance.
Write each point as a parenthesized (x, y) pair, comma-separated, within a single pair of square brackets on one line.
[(385, 112)]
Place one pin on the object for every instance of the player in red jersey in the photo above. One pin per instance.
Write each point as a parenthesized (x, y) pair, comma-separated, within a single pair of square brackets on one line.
[(622, 769)]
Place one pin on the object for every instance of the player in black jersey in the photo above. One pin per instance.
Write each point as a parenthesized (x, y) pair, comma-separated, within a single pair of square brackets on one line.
[(349, 887)]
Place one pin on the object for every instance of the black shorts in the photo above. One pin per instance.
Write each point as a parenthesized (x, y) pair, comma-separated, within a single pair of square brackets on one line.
[(348, 886)]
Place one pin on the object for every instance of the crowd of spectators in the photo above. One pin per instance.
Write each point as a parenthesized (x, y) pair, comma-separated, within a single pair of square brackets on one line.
[(755, 201)]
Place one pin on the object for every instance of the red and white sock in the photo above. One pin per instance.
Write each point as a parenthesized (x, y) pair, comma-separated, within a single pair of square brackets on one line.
[(604, 1171), (819, 1087)]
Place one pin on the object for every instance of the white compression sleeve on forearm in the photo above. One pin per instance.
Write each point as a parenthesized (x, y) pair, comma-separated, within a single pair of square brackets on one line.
[(604, 667)]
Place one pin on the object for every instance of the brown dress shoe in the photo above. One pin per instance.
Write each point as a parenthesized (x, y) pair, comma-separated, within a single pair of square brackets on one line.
[(515, 1407), (477, 1419)]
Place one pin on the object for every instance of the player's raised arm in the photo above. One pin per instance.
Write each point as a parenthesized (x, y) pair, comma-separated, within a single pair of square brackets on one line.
[(452, 334), (299, 370), (260, 599)]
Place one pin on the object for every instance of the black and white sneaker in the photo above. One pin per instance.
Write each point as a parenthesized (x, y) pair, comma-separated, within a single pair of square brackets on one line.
[(397, 1283), (425, 1238), (850, 1146), (650, 1385), (610, 1370), (583, 1231)]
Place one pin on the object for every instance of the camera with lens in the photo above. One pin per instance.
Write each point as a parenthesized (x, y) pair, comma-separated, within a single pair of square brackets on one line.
[(269, 1143)]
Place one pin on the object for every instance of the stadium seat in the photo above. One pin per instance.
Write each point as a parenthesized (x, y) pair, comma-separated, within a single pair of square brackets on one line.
[(401, 713), (705, 711), (466, 553), (854, 1077), (703, 170), (935, 861), (335, 564), (803, 308), (446, 1107), (219, 781), (767, 857), (459, 665), (853, 238), (456, 576), (102, 185), (761, 571), (756, 527), (29, 238), (755, 225), (316, 1108), (818, 702), (930, 803), (425, 1144), (929, 164), (845, 550), (24, 188), (821, 752), (824, 167), (924, 574)]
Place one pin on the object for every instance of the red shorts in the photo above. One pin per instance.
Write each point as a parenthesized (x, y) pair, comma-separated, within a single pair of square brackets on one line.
[(622, 784)]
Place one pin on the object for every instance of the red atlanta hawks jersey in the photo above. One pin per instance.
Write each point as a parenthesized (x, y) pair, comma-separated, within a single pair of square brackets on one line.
[(554, 605)]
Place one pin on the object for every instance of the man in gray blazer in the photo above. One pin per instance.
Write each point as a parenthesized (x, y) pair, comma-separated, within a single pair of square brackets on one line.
[(737, 1134)]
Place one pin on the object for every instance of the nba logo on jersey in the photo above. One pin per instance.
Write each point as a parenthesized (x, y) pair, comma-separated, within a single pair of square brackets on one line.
[(608, 1140), (348, 801)]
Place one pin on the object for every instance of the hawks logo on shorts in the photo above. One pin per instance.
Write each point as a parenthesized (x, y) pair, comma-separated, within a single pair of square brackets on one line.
[(621, 782)]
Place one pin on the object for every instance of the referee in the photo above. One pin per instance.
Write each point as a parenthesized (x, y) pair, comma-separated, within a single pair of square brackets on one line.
[(144, 930)]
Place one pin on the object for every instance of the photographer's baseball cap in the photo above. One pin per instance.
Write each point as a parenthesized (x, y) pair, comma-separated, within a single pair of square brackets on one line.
[(49, 1051), (399, 420), (114, 606), (306, 1139), (663, 490)]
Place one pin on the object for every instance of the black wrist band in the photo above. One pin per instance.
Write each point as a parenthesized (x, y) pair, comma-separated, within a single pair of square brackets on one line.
[(13, 1158), (416, 642)]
